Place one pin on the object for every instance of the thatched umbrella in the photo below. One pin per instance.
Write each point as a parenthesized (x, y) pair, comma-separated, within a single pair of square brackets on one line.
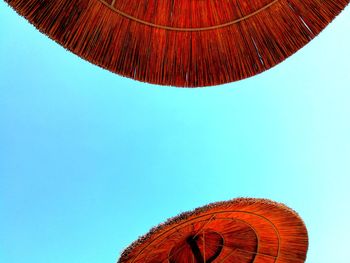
[(243, 230), (182, 42)]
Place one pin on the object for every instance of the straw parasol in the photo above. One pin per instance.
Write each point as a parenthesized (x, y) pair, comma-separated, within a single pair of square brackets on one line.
[(188, 43), (243, 230)]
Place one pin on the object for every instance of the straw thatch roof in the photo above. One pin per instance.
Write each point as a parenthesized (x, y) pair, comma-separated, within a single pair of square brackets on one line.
[(243, 230)]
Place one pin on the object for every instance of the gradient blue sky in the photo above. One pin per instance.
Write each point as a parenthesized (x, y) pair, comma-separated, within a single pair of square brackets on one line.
[(90, 160)]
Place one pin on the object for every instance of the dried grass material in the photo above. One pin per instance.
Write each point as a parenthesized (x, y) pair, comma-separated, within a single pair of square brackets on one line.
[(186, 43), (243, 230)]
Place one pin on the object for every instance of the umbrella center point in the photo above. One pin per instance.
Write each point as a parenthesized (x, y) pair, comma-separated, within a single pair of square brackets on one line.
[(203, 247)]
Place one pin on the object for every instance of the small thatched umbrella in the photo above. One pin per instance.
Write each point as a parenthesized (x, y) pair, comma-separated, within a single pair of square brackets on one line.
[(243, 230), (182, 42)]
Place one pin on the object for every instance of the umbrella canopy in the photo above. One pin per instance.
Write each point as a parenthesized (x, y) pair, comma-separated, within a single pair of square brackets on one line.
[(182, 42), (243, 230)]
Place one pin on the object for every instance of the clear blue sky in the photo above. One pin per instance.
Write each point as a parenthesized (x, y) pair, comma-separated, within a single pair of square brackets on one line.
[(90, 160)]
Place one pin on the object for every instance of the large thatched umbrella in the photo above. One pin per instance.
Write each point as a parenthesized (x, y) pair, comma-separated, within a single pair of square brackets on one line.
[(182, 42), (243, 230)]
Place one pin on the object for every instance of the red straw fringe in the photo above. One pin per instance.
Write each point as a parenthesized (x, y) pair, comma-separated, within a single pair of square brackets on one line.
[(271, 32)]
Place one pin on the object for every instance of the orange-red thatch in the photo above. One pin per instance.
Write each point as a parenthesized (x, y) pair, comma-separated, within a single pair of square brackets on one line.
[(182, 42), (243, 230)]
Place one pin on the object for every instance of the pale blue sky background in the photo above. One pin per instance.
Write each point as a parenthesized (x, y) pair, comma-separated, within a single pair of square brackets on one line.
[(90, 160)]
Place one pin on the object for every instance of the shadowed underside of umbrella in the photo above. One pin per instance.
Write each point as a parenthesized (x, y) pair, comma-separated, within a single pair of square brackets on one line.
[(188, 43), (243, 230)]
